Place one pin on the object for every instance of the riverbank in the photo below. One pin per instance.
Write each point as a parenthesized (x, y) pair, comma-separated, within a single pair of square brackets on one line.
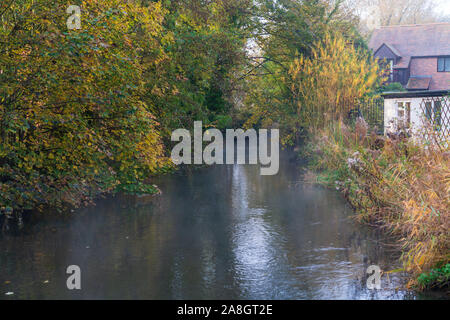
[(396, 185)]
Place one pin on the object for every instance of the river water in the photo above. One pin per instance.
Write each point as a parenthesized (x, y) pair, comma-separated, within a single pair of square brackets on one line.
[(221, 232)]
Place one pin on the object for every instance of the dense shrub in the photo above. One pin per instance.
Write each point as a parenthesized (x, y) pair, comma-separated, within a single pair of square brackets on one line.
[(395, 183)]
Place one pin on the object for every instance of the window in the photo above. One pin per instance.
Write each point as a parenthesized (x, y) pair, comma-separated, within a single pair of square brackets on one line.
[(404, 114), (391, 70), (408, 113), (428, 110), (444, 64), (433, 113), (437, 115)]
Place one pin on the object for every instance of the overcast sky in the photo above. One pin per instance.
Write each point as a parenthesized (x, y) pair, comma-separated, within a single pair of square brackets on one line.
[(443, 7)]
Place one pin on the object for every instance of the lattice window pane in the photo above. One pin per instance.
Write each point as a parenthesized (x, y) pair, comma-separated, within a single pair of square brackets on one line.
[(436, 118)]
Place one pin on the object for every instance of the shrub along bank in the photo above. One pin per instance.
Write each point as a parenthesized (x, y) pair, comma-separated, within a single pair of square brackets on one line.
[(397, 184)]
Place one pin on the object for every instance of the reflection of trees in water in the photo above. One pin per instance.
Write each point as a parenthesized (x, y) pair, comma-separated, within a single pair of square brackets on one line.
[(221, 232), (323, 248)]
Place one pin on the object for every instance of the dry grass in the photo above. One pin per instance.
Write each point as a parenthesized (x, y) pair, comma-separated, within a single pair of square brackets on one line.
[(392, 182)]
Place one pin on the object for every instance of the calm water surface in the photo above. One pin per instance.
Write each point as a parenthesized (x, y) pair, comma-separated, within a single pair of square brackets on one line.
[(222, 232)]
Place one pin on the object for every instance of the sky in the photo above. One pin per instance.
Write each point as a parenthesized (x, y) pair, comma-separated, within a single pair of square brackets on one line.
[(443, 7)]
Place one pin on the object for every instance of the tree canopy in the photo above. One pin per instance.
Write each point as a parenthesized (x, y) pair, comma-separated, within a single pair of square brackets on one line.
[(90, 110)]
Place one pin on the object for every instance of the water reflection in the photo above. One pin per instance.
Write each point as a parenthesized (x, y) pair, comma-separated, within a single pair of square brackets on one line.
[(215, 233)]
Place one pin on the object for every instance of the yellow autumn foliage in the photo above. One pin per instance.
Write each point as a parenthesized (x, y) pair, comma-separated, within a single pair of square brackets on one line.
[(327, 85)]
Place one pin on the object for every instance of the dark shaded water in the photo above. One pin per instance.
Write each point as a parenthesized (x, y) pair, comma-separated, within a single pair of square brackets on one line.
[(223, 232)]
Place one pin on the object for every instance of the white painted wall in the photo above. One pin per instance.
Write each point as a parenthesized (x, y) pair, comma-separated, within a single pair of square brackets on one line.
[(391, 114)]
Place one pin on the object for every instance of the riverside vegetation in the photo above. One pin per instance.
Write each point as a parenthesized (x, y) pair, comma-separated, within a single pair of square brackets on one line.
[(396, 184), (90, 111)]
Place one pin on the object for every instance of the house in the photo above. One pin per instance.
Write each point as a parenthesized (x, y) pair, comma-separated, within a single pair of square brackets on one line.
[(419, 59), (418, 55), (423, 114)]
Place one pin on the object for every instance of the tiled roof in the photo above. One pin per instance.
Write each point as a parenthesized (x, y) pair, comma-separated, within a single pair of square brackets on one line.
[(414, 40), (393, 49), (403, 62), (418, 83)]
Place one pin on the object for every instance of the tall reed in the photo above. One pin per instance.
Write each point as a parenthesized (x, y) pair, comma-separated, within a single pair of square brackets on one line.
[(395, 183)]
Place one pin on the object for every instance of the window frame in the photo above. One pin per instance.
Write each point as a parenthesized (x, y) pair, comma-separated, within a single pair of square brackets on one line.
[(428, 110), (437, 115), (404, 113), (445, 59), (391, 63)]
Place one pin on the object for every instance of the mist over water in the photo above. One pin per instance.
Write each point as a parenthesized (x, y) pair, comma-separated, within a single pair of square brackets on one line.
[(221, 232)]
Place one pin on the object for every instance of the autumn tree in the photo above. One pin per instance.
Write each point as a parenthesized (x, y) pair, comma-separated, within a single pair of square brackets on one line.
[(73, 118), (328, 83), (288, 30), (206, 56), (323, 86)]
